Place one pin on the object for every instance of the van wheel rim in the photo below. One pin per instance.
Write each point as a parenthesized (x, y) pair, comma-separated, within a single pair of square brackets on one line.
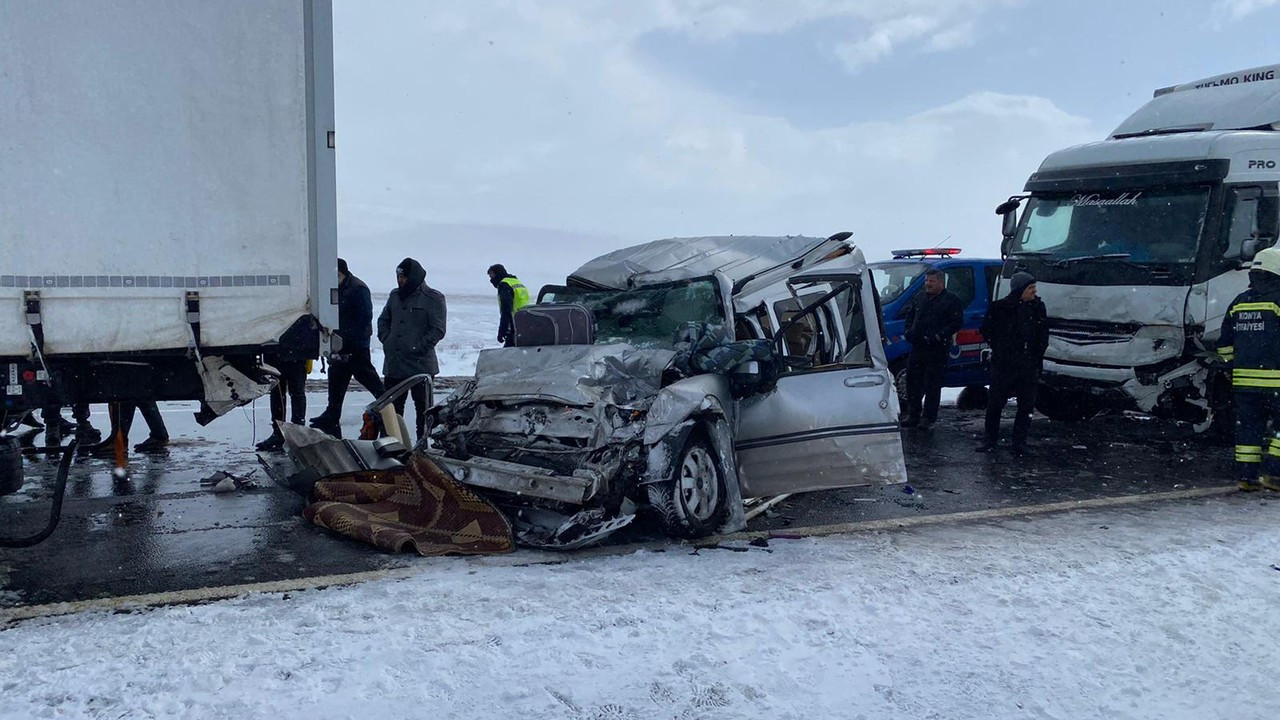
[(699, 487)]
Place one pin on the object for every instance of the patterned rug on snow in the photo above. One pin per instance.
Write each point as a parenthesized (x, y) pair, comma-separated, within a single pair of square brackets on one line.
[(419, 505)]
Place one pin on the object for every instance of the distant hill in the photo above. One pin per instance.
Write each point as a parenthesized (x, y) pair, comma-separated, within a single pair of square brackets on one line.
[(457, 255)]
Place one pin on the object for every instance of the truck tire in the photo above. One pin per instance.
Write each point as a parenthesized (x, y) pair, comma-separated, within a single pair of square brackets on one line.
[(693, 503), (10, 465), (1065, 407)]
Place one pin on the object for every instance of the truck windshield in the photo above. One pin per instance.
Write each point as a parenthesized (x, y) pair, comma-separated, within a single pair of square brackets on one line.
[(893, 279), (647, 317), (1139, 226)]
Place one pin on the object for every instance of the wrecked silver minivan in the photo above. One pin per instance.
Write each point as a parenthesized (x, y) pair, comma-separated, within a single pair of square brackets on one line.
[(721, 368), (682, 375)]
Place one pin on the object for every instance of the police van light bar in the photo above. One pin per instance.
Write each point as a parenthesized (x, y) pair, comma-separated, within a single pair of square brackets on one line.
[(926, 252)]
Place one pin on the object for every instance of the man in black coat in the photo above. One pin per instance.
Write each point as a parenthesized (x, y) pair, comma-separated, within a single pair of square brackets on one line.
[(352, 360), (298, 344), (932, 320), (411, 323), (1017, 329)]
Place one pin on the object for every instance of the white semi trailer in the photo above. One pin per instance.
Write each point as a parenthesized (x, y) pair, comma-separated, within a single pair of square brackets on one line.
[(1141, 241), (167, 198)]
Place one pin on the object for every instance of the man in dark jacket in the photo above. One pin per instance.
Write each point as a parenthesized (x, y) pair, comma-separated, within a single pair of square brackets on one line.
[(1250, 342), (411, 324), (298, 344), (512, 295), (932, 320), (1017, 329), (355, 327)]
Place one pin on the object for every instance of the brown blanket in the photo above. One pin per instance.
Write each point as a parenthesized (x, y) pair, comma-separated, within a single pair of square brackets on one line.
[(419, 504)]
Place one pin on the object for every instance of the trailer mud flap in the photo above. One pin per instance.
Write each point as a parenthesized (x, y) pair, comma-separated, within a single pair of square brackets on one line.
[(225, 388)]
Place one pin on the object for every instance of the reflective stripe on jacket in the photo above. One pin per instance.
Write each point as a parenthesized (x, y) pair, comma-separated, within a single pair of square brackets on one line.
[(1250, 340)]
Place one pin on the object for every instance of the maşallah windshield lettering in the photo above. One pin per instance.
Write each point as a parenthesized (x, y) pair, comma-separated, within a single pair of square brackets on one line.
[(1100, 201), (1144, 226)]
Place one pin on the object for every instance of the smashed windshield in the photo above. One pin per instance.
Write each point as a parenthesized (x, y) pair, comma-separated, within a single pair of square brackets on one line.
[(1141, 226), (893, 279), (648, 317)]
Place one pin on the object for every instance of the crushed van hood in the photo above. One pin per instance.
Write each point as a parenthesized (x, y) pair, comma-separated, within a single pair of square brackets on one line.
[(618, 374)]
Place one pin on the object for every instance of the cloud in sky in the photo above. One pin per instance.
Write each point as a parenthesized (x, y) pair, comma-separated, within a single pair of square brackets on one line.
[(542, 117), (1239, 9)]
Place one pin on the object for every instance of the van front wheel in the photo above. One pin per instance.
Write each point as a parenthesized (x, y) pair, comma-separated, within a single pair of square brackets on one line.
[(692, 504)]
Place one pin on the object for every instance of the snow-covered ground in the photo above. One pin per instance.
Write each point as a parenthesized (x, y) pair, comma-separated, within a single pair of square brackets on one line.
[(1152, 612)]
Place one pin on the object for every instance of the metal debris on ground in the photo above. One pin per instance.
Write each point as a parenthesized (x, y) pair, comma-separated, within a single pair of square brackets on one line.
[(225, 482)]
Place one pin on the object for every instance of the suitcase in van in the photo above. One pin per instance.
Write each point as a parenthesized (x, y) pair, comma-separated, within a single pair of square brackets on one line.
[(566, 324)]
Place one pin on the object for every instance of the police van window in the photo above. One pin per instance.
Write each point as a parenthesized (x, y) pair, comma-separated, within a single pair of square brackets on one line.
[(960, 281), (993, 279), (1242, 206)]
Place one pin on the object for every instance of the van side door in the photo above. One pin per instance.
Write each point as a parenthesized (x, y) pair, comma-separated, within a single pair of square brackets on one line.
[(832, 419)]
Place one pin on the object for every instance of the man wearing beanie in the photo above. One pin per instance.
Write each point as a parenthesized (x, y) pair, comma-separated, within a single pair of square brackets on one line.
[(411, 324), (352, 360), (1250, 342), (1017, 329)]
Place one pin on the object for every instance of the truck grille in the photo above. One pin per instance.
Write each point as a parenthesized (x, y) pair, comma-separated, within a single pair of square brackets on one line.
[(1089, 332)]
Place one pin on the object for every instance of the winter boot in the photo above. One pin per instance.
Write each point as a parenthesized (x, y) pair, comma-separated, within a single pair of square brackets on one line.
[(1248, 485), (155, 443), (87, 434), (1270, 482), (271, 444)]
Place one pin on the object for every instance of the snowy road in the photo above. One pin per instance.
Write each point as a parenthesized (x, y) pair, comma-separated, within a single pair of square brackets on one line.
[(162, 531), (1162, 611)]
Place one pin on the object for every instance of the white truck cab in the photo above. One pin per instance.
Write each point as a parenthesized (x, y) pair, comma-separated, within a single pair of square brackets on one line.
[(1140, 242)]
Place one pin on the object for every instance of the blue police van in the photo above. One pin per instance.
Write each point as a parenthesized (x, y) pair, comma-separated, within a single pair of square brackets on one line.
[(973, 280)]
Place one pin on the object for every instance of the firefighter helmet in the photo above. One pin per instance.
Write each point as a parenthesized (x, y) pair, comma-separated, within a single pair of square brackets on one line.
[(1268, 261)]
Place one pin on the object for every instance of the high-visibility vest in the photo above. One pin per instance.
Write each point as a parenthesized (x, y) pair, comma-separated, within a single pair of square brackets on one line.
[(519, 291)]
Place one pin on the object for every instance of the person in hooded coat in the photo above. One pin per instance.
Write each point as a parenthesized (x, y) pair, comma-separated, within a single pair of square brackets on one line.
[(1017, 329), (411, 324)]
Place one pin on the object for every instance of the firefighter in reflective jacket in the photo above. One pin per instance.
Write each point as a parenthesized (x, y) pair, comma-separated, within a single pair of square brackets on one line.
[(1250, 342), (512, 295)]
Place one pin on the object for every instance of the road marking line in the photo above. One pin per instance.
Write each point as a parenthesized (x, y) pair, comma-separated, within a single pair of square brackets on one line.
[(527, 558)]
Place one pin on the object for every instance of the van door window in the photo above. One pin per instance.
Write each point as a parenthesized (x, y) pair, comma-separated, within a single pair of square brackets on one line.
[(993, 279), (807, 337), (831, 333), (960, 281)]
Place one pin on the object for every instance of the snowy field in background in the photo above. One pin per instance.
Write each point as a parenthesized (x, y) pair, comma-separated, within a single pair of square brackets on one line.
[(1160, 612), (472, 326)]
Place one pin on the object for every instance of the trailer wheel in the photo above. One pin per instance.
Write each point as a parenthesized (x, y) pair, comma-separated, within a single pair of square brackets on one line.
[(10, 465), (1065, 407), (692, 504)]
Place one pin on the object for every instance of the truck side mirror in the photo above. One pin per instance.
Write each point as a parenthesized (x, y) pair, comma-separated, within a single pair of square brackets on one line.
[(1249, 249), (1009, 224), (1265, 222)]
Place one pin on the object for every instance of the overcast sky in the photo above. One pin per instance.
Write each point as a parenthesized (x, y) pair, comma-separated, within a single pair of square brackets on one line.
[(540, 134)]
